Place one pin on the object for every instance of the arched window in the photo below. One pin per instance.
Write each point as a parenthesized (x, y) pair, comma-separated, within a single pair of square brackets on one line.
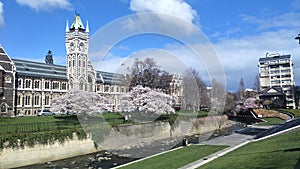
[(81, 85), (47, 85), (90, 84), (19, 100), (36, 84), (27, 83), (20, 83), (28, 100), (47, 100), (37, 100)]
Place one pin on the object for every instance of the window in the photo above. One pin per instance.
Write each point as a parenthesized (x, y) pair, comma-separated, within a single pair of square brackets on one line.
[(20, 83), (64, 86), (47, 85), (7, 79), (27, 100), (55, 85), (19, 101), (27, 83), (37, 100), (47, 100), (37, 84), (106, 89)]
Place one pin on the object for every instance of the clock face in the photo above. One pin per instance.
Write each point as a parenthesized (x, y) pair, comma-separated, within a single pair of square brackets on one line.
[(72, 45), (81, 47)]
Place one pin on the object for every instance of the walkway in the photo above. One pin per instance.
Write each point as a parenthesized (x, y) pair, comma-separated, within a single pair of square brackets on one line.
[(243, 137), (234, 141)]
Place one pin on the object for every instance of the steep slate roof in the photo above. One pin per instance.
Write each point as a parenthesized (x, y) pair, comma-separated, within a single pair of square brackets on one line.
[(5, 61), (38, 69), (109, 78), (43, 70)]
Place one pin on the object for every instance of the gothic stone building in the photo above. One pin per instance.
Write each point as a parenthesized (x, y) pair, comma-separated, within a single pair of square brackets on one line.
[(27, 86)]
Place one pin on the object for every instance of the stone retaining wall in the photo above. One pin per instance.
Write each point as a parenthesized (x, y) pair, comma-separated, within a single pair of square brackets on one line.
[(121, 137), (11, 158)]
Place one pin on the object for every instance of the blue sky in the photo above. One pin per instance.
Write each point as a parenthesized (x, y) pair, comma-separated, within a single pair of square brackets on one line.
[(240, 31)]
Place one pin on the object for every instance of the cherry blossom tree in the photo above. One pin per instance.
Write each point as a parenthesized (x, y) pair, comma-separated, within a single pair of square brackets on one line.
[(80, 102), (145, 100), (250, 104)]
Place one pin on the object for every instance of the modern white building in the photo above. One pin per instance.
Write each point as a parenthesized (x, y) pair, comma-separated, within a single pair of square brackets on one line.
[(276, 71)]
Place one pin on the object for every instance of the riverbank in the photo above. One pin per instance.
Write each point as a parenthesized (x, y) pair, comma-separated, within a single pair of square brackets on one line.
[(121, 156)]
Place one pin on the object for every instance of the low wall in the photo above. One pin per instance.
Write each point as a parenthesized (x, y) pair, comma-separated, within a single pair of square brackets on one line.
[(121, 137), (11, 158)]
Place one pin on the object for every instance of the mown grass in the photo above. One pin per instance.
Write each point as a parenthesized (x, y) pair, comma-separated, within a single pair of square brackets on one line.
[(50, 123), (271, 121), (278, 152), (176, 158), (295, 112)]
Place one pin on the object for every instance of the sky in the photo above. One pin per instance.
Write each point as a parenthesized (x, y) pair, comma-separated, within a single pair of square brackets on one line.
[(240, 32)]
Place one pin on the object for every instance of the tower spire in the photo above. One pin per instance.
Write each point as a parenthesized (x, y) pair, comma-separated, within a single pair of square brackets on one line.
[(87, 29), (67, 26)]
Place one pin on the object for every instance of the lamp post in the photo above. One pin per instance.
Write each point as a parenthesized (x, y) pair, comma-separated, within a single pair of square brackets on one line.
[(298, 38)]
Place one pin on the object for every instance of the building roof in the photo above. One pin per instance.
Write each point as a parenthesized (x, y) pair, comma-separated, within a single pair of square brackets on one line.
[(38, 69), (43, 70), (77, 23), (109, 78), (5, 61), (272, 91), (275, 57)]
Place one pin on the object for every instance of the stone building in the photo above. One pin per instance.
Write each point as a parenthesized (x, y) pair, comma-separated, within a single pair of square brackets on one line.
[(7, 84), (28, 86)]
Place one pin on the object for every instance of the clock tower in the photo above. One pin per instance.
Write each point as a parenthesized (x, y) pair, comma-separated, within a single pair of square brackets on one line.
[(80, 72)]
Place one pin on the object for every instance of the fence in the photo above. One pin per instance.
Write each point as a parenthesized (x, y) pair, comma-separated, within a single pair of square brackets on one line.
[(36, 127)]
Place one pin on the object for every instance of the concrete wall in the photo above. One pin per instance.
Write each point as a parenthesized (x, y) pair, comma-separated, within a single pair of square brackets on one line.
[(121, 137), (10, 158)]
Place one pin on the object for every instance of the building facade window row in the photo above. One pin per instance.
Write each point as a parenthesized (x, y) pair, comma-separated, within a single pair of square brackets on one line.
[(40, 84)]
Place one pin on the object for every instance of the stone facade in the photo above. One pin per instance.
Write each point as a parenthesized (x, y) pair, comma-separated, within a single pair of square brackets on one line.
[(7, 84), (27, 87)]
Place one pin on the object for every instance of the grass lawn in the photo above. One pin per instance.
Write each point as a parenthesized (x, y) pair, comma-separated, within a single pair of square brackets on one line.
[(295, 112), (176, 158), (271, 121), (278, 152), (37, 124)]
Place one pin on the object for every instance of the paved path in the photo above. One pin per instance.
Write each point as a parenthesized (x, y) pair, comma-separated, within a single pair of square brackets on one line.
[(234, 141)]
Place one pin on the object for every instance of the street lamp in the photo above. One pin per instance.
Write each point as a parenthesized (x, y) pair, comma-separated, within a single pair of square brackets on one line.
[(298, 38)]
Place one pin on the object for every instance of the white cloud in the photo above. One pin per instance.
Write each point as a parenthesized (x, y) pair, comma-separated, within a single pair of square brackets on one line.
[(1, 14), (178, 8), (286, 20), (239, 57), (45, 5)]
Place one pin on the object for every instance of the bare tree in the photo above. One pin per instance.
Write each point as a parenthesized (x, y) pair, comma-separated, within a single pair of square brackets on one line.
[(148, 73), (218, 96), (192, 76)]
